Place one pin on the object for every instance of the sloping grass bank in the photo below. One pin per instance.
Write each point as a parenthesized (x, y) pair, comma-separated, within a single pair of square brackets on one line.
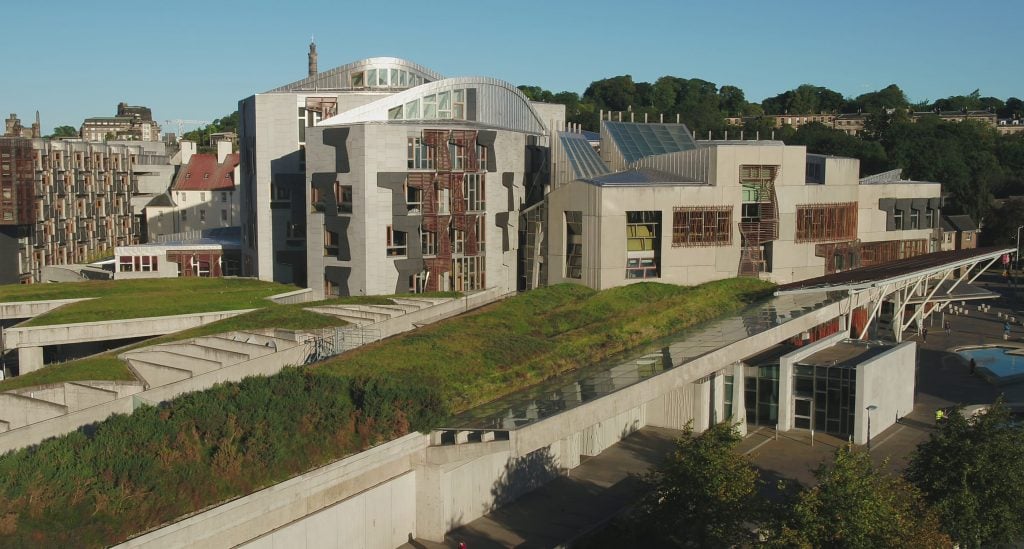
[(481, 356), (137, 472)]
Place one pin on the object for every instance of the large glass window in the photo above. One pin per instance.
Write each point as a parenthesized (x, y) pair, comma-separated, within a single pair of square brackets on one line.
[(643, 244), (397, 246), (428, 243), (444, 105), (473, 191), (420, 155), (430, 107)]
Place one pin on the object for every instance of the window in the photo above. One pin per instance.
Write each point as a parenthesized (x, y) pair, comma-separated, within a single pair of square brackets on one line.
[(818, 222), (413, 197), (968, 236), (357, 80), (330, 243), (224, 196), (223, 215), (468, 273), (428, 242), (574, 244), (702, 226), (420, 155), (396, 243), (897, 220), (202, 215), (458, 241), (145, 263), (281, 193), (125, 264), (458, 155), (643, 245), (418, 282), (914, 219), (184, 215), (473, 192), (430, 107), (343, 195), (459, 104), (929, 219), (444, 105)]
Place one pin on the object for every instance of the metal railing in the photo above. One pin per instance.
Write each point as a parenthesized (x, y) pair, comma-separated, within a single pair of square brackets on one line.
[(332, 342)]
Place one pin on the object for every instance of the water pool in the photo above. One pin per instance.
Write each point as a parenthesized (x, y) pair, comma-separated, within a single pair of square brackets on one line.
[(997, 364)]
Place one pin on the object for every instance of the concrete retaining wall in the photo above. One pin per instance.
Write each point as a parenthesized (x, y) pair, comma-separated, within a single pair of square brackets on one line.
[(60, 334), (19, 410), (29, 309), (885, 381), (366, 500), (305, 295)]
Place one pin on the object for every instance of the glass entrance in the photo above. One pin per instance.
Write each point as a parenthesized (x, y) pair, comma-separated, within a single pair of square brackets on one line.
[(802, 412), (824, 398), (761, 394)]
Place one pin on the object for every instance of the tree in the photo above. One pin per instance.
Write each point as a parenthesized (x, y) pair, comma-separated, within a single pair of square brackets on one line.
[(821, 139), (889, 97), (971, 471), (63, 131), (856, 505), (617, 93), (805, 99), (704, 495)]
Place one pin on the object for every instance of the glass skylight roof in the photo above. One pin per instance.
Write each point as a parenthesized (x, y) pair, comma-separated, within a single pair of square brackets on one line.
[(592, 382), (636, 141), (583, 158)]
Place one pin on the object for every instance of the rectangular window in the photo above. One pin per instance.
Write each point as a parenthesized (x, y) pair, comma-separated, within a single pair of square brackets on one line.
[(223, 197), (458, 241), (457, 153), (420, 155), (468, 273), (643, 244), (184, 215), (915, 219), (202, 215), (428, 243), (413, 197), (473, 192), (897, 220), (968, 236), (125, 264), (821, 222), (223, 215), (343, 196), (702, 226), (574, 244), (396, 243), (330, 243), (929, 219), (459, 104), (430, 107)]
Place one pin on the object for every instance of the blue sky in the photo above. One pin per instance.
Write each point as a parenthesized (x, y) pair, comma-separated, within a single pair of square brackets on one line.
[(194, 60)]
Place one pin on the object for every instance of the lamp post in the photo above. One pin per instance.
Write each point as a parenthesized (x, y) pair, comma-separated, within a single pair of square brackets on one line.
[(870, 409)]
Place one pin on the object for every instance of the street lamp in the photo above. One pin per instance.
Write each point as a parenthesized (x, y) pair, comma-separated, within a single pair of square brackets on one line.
[(870, 409)]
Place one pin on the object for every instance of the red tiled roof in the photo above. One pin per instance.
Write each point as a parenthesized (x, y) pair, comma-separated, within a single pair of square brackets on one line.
[(203, 173)]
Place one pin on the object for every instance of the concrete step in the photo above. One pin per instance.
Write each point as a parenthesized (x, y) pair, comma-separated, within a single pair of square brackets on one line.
[(219, 342), (354, 316), (224, 356), (412, 302), (175, 360), (156, 375), (255, 338), (377, 312)]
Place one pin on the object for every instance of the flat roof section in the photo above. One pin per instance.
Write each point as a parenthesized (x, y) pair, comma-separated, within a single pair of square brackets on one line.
[(846, 354), (875, 275), (568, 391)]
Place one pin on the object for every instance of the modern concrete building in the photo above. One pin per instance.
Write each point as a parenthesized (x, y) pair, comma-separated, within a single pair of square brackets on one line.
[(381, 176), (658, 205), (203, 195), (70, 201)]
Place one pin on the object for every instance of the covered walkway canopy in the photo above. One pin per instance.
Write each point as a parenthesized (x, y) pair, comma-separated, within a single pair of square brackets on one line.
[(929, 283)]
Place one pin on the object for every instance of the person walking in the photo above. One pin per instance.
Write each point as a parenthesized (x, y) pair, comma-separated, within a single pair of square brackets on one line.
[(949, 327), (974, 365), (1006, 331), (924, 335)]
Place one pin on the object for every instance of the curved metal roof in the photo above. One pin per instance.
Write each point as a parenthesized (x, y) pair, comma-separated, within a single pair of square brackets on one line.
[(492, 102), (340, 78)]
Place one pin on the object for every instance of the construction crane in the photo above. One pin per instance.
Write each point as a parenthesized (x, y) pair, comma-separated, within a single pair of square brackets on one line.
[(181, 124)]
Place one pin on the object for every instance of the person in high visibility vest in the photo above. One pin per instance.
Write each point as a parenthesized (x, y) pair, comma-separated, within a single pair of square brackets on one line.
[(939, 415)]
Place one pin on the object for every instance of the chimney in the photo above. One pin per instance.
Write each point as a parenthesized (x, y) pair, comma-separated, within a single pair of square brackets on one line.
[(223, 150), (188, 148), (312, 58)]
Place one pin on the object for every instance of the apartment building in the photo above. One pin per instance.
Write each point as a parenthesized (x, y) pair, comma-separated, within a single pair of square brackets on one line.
[(131, 123), (203, 195), (68, 201)]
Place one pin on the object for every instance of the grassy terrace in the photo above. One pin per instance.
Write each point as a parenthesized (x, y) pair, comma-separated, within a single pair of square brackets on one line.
[(122, 299), (107, 366), (136, 472)]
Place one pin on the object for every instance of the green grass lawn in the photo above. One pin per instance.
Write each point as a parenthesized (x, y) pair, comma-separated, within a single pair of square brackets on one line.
[(124, 299), (519, 342), (107, 366)]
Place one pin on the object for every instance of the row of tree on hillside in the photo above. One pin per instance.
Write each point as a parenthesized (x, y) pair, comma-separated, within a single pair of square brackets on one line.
[(964, 485)]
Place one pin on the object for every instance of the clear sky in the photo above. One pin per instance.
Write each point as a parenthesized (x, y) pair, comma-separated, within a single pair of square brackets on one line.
[(72, 59)]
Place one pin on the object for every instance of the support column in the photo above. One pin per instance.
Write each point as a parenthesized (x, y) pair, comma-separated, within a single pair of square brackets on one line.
[(30, 359), (739, 404), (785, 393)]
